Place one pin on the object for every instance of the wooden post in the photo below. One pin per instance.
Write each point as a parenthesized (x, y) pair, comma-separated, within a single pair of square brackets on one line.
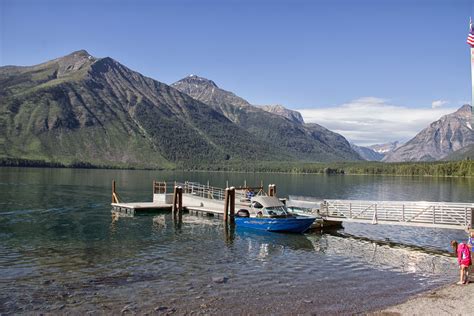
[(472, 217), (350, 210), (226, 204), (180, 199), (175, 200), (232, 205), (403, 212), (114, 200)]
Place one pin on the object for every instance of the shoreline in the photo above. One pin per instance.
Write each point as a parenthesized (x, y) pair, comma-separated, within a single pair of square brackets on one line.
[(451, 299), (100, 167)]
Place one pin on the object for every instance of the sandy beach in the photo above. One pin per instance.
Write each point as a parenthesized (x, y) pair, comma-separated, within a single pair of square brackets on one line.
[(452, 299)]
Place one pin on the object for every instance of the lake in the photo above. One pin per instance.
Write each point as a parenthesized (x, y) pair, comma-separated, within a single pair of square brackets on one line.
[(60, 249)]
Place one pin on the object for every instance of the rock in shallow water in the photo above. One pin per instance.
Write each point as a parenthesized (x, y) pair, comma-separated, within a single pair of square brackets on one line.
[(219, 279)]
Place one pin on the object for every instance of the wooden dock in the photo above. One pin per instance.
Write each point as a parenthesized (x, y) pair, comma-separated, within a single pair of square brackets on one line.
[(206, 200), (195, 198)]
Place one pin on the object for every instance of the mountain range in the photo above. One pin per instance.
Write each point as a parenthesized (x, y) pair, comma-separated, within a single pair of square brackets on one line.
[(450, 133), (281, 127), (82, 109), (385, 148), (79, 109), (367, 153)]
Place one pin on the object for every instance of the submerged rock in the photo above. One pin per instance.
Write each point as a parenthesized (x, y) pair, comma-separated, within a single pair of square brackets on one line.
[(220, 279)]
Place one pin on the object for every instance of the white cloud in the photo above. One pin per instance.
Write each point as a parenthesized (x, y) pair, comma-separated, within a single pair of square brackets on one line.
[(438, 103), (372, 120)]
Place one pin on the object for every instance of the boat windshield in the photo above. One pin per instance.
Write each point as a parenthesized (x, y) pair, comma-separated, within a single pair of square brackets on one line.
[(276, 210)]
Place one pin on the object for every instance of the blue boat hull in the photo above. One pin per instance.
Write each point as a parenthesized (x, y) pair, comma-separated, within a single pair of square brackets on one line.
[(288, 225)]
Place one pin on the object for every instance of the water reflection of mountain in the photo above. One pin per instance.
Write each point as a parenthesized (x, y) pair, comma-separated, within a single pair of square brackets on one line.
[(384, 256)]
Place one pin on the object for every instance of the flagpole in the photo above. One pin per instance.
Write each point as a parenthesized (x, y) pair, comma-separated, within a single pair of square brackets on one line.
[(470, 41), (472, 88)]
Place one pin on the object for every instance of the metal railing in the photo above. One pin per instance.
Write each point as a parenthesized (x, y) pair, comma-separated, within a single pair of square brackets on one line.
[(203, 190), (441, 213)]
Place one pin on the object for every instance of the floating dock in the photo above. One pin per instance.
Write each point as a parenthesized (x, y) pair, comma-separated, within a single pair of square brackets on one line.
[(206, 200), (192, 197)]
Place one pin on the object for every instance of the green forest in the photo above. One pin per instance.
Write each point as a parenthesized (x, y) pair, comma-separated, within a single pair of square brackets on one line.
[(464, 168)]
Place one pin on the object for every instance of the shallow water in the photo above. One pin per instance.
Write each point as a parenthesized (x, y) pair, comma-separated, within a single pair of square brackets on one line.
[(60, 249)]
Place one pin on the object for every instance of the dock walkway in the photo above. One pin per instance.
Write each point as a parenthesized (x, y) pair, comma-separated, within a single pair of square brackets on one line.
[(407, 213), (212, 201)]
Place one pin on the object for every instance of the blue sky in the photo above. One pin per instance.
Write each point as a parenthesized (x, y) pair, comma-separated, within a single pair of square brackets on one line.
[(306, 55)]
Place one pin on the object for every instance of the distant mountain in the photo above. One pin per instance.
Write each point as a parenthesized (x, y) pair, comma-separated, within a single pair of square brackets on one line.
[(79, 108), (367, 153), (444, 136), (385, 148), (461, 154), (309, 142), (293, 116)]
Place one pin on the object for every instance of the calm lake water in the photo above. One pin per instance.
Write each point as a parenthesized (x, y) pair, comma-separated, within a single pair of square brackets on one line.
[(61, 251)]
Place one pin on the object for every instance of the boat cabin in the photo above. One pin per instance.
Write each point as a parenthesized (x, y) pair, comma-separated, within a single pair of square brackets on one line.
[(268, 206)]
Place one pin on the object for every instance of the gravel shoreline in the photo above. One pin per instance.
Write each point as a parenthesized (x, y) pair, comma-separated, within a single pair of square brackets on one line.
[(452, 299)]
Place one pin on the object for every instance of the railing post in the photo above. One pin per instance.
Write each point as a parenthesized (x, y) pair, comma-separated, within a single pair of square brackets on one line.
[(434, 214), (374, 219), (403, 212), (350, 210)]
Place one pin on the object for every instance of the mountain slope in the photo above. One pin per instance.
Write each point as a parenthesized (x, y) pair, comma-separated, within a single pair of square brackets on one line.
[(384, 149), (461, 154), (310, 142), (293, 116), (81, 108), (444, 136), (367, 153)]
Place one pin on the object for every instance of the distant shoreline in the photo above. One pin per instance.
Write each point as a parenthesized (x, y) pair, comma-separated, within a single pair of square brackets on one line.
[(448, 169)]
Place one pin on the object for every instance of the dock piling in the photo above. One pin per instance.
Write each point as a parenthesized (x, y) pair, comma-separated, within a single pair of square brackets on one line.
[(175, 199), (472, 218), (180, 200), (115, 198), (232, 205), (271, 190), (226, 204)]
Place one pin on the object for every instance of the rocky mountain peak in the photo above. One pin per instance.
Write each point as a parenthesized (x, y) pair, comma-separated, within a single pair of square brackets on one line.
[(442, 137), (198, 81), (74, 61), (279, 109), (385, 148), (464, 110)]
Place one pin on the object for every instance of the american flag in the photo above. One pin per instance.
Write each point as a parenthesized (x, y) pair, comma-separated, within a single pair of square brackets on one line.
[(470, 38)]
